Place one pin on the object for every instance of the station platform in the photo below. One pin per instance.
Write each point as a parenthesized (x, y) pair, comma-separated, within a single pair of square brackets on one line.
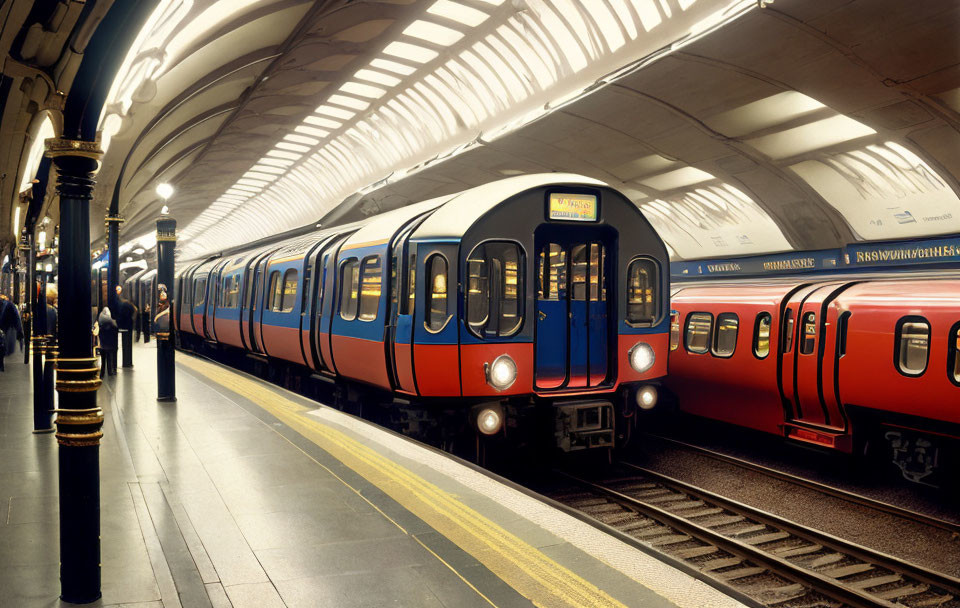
[(244, 494)]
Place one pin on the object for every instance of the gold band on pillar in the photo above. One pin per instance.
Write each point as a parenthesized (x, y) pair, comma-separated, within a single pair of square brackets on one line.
[(58, 146), (77, 375), (118, 219), (71, 423), (167, 236)]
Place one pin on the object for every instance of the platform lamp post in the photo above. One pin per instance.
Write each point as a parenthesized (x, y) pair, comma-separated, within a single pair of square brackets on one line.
[(163, 322), (26, 248), (79, 418)]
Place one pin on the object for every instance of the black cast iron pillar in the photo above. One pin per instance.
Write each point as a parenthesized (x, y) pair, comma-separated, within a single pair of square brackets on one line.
[(42, 405), (163, 323), (27, 319), (79, 419), (113, 221)]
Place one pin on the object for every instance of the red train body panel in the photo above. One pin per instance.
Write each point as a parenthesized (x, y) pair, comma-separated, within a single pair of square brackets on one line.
[(848, 362)]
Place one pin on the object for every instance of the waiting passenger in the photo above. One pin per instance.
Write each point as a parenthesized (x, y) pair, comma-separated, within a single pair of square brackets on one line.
[(108, 343)]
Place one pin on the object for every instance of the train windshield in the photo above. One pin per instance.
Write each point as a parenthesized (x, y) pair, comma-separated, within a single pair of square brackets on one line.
[(494, 289)]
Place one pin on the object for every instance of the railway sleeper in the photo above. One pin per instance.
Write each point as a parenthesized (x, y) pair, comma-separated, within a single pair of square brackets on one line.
[(796, 551), (845, 571), (934, 601), (732, 575), (672, 539), (875, 581), (780, 595), (824, 560), (721, 562), (695, 552), (900, 592), (766, 538)]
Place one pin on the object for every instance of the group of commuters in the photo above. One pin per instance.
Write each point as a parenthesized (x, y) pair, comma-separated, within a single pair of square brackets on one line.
[(11, 329)]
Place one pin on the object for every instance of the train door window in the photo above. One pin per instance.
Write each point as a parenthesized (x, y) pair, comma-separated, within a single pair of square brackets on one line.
[(233, 292), (437, 292), (199, 292), (598, 287), (913, 345), (578, 270), (552, 272), (674, 330), (276, 291), (953, 359), (725, 337), (349, 288), (641, 297), (761, 335), (494, 286), (370, 288), (289, 297), (699, 328), (809, 338), (411, 284), (788, 324)]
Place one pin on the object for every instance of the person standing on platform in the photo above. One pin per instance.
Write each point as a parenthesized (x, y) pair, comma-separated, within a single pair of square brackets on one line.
[(52, 296), (125, 318), (145, 322), (108, 343), (10, 327)]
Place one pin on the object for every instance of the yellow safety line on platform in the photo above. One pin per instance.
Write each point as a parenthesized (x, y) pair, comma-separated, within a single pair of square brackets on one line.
[(522, 566)]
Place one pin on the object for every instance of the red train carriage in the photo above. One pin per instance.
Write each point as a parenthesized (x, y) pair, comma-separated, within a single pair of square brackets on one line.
[(535, 293), (839, 364)]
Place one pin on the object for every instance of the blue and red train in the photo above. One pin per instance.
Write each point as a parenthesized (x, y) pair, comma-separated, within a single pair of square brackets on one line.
[(539, 297)]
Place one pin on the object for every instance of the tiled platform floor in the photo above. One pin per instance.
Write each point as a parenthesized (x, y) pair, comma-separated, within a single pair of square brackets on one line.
[(218, 501)]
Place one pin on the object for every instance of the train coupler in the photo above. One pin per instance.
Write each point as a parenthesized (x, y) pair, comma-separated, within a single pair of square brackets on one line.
[(583, 425)]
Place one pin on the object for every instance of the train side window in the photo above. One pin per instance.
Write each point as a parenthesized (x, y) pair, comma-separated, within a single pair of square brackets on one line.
[(725, 338), (370, 288), (761, 336), (809, 338), (953, 358), (699, 328), (912, 345), (289, 296), (494, 286), (578, 273), (552, 273), (437, 316), (641, 292), (349, 288), (276, 292), (788, 324), (199, 292), (674, 330)]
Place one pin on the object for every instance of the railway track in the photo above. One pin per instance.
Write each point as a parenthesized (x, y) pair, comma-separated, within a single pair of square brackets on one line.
[(846, 495), (760, 556)]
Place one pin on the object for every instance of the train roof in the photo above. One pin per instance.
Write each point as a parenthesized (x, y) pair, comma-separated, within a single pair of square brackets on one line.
[(379, 229), (459, 213)]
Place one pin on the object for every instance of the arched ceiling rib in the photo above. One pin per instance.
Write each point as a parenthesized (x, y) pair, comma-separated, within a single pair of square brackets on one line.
[(796, 126)]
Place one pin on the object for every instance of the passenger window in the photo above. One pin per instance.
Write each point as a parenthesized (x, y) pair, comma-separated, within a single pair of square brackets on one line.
[(953, 360), (641, 292), (787, 326), (349, 288), (276, 291), (200, 293), (289, 291), (437, 297), (494, 289), (809, 339), (913, 345), (674, 330), (699, 327), (598, 287), (761, 335), (725, 338), (370, 288)]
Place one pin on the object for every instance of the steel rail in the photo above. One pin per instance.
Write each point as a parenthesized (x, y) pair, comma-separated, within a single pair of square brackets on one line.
[(853, 497), (921, 574)]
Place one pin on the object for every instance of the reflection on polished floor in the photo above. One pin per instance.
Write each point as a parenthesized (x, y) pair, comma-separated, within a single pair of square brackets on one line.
[(243, 494)]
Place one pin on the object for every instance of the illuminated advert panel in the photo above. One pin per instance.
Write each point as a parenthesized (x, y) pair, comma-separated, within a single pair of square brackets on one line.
[(572, 207)]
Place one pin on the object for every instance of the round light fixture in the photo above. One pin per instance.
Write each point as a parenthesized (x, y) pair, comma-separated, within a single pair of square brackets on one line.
[(502, 373), (641, 357), (164, 191), (647, 397), (489, 421)]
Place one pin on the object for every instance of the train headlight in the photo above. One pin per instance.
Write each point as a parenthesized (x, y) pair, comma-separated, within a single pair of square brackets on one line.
[(502, 373), (490, 420), (642, 357), (647, 397)]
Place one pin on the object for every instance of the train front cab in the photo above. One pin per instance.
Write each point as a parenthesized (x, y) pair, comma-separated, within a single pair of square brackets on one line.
[(555, 308)]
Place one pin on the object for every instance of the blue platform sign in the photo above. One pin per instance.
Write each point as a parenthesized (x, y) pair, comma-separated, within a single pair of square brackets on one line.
[(781, 263), (928, 251)]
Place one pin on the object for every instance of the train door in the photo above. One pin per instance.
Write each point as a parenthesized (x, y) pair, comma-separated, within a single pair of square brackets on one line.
[(818, 348), (573, 311), (399, 338), (257, 303)]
